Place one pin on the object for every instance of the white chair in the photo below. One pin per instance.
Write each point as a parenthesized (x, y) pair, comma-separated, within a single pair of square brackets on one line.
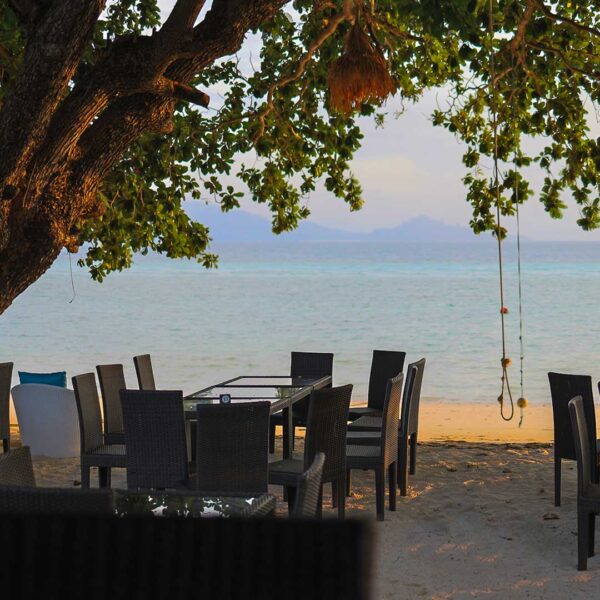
[(48, 421)]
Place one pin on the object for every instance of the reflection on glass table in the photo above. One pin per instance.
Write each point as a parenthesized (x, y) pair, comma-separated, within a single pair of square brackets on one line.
[(186, 504)]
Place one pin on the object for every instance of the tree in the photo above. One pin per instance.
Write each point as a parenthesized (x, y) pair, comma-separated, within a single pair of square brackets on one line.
[(104, 128)]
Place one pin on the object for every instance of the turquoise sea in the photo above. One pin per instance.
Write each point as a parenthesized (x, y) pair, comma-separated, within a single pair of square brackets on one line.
[(434, 300)]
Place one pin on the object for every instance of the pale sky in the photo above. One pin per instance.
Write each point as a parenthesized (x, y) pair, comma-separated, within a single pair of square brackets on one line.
[(410, 168)]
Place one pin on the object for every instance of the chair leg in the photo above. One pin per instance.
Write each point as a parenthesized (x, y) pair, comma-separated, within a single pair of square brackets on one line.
[(557, 475), (85, 477), (592, 534), (271, 438), (392, 471), (334, 494), (291, 499), (6, 445), (348, 483), (320, 504), (104, 477), (403, 466), (341, 498), (380, 492), (583, 542), (413, 454)]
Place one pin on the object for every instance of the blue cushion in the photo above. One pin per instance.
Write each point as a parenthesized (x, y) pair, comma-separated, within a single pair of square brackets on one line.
[(59, 379)]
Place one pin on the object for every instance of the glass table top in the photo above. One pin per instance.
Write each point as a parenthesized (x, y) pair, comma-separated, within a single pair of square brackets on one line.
[(247, 393), (165, 504), (279, 381)]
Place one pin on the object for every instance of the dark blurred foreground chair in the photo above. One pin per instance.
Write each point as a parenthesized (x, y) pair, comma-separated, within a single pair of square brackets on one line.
[(304, 365), (5, 380), (112, 381), (365, 430), (308, 490), (94, 451), (16, 467), (128, 558), (20, 500), (385, 365), (383, 456), (144, 372), (154, 425), (563, 388), (325, 432), (588, 492), (232, 448)]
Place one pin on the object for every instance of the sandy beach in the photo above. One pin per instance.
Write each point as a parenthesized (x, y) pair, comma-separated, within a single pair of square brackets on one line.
[(478, 522)]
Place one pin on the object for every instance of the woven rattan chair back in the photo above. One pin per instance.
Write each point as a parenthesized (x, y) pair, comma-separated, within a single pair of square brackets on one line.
[(309, 365), (583, 451), (88, 409), (563, 388), (5, 381), (144, 372), (308, 490), (385, 365), (112, 381), (389, 421), (409, 423), (154, 426), (54, 501), (232, 448), (16, 468), (326, 430)]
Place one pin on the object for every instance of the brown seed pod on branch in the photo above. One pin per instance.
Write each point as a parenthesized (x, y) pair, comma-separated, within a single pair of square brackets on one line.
[(360, 75)]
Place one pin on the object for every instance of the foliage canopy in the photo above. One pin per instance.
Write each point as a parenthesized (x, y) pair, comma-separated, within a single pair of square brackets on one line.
[(271, 133)]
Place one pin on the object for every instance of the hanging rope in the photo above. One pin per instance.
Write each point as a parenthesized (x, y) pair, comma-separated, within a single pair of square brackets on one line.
[(522, 401), (505, 361), (72, 282)]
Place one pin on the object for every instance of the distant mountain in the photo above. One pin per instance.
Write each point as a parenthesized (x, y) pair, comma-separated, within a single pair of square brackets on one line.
[(241, 226), (424, 229)]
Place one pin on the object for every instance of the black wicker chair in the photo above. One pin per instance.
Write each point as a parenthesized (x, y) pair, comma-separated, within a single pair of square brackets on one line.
[(588, 492), (384, 365), (17, 500), (154, 425), (232, 448), (136, 558), (94, 452), (383, 456), (5, 380), (112, 381), (16, 468), (144, 372), (325, 432), (563, 388), (307, 365), (308, 490), (366, 429)]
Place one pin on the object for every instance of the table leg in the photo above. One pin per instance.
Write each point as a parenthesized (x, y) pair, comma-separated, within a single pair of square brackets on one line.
[(288, 432)]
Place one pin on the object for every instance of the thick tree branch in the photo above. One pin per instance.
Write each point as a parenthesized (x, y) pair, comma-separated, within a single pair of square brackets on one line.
[(182, 17), (561, 55), (221, 33), (566, 20)]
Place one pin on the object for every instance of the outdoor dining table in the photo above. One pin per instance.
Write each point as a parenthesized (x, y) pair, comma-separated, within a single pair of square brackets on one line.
[(282, 391), (187, 504)]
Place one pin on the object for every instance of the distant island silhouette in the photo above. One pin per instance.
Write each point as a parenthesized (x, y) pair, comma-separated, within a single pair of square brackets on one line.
[(241, 226)]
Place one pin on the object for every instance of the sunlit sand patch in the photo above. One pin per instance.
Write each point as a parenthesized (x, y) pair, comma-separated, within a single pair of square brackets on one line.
[(529, 583), (449, 547), (490, 559)]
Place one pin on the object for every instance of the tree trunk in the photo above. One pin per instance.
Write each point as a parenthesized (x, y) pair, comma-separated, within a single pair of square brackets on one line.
[(57, 142)]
